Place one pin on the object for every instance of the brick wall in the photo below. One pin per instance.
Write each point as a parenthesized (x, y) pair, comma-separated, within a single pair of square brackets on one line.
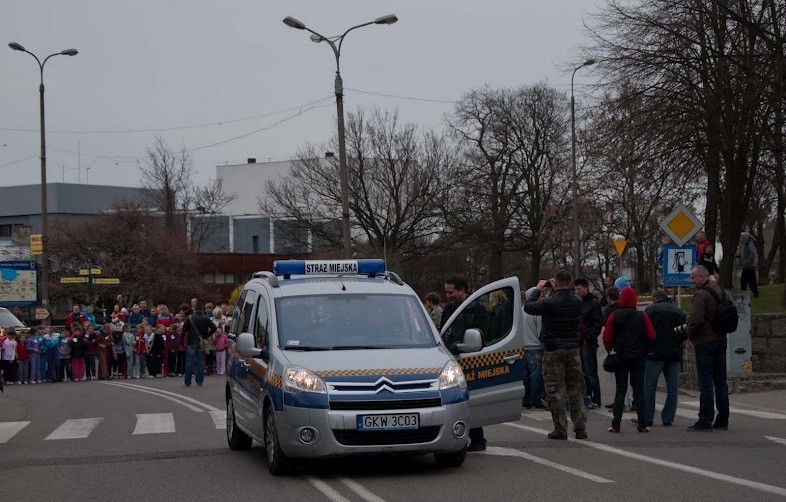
[(768, 341)]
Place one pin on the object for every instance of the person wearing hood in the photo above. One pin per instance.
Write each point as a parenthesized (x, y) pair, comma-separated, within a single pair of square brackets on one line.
[(747, 258), (535, 390), (629, 332)]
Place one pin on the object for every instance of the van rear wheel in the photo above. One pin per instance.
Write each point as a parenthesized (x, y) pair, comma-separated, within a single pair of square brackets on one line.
[(237, 439), (452, 459)]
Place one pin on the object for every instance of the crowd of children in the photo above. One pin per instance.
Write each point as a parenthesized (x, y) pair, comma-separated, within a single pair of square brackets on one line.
[(140, 343)]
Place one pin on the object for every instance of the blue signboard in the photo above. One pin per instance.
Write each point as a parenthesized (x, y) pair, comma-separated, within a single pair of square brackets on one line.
[(18, 283), (677, 263)]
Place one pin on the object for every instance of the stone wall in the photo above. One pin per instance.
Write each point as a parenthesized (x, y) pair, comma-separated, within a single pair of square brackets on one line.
[(768, 343)]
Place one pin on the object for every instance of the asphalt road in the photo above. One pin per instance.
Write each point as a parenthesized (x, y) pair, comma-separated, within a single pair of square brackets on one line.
[(155, 439)]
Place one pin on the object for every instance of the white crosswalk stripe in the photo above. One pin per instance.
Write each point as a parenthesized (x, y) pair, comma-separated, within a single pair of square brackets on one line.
[(154, 423), (219, 418), (75, 428), (767, 415), (10, 429)]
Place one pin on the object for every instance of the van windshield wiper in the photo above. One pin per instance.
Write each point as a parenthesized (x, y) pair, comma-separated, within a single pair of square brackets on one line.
[(357, 347), (304, 348)]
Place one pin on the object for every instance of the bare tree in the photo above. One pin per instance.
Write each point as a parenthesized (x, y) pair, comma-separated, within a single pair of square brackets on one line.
[(704, 74), (505, 192), (168, 177), (395, 173)]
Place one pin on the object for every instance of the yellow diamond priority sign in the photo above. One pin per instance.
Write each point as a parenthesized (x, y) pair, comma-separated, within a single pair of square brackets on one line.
[(680, 225)]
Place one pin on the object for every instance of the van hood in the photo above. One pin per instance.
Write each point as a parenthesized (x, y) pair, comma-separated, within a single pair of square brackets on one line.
[(396, 364)]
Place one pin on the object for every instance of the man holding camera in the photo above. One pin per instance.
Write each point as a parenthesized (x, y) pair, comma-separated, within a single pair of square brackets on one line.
[(560, 336)]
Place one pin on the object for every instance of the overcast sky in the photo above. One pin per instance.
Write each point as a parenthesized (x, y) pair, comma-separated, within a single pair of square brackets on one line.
[(201, 72)]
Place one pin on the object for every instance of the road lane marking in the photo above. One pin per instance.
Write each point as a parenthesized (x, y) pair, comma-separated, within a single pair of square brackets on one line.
[(148, 391), (75, 428), (361, 490), (163, 392), (538, 416), (510, 452), (219, 418), (666, 463), (776, 440), (767, 415), (326, 490), (10, 429), (154, 423)]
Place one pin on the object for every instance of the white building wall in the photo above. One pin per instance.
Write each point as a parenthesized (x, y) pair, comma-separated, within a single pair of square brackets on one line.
[(247, 182)]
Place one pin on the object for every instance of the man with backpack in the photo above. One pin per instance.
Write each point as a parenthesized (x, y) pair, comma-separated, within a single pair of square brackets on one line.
[(196, 328), (707, 331)]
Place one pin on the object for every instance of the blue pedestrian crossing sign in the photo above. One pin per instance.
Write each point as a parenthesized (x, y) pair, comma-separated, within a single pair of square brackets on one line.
[(677, 263)]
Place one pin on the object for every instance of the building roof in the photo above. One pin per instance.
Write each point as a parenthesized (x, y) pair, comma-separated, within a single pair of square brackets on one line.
[(64, 198)]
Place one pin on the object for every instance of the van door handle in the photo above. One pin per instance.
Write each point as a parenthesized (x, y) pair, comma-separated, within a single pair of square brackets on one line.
[(511, 358)]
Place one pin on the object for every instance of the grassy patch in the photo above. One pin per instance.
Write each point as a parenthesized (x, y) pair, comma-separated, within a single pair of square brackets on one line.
[(768, 302)]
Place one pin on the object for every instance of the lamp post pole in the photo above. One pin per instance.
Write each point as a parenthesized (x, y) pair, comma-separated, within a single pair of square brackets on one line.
[(339, 90), (44, 227), (574, 178)]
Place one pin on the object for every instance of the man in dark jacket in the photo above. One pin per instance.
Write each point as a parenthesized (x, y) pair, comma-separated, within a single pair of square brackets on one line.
[(710, 348), (592, 323), (560, 336), (196, 327), (664, 356)]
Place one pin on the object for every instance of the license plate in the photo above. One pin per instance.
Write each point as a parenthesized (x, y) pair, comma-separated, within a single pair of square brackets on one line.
[(398, 421)]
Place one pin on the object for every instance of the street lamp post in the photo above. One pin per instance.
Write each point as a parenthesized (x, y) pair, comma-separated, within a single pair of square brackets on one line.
[(339, 90), (575, 179), (44, 229)]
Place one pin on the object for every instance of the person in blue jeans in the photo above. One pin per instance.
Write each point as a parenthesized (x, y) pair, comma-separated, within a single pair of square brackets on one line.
[(534, 388), (664, 356), (195, 328), (710, 348)]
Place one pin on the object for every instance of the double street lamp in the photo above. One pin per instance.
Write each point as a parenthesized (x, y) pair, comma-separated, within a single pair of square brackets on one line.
[(575, 179), (44, 230), (335, 44)]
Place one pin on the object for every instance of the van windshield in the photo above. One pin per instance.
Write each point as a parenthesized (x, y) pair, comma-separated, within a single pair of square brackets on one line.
[(352, 322)]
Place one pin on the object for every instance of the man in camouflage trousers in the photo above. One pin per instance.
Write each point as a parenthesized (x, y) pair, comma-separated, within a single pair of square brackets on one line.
[(560, 336)]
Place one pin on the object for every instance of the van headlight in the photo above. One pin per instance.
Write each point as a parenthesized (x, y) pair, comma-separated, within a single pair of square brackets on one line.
[(452, 376), (303, 380)]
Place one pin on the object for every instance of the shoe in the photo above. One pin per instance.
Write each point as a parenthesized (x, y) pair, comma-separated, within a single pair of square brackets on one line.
[(539, 406), (477, 446), (581, 434), (615, 430), (592, 406), (718, 427), (610, 406), (699, 428), (666, 424), (628, 409), (557, 435), (644, 429), (199, 385)]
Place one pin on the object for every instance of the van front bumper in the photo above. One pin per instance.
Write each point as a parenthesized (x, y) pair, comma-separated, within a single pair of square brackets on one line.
[(336, 433)]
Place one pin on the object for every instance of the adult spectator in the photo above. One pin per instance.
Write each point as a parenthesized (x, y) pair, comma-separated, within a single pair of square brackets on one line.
[(560, 336), (120, 302), (75, 316), (701, 243), (534, 390), (664, 356), (613, 303), (434, 309), (747, 257), (456, 291), (708, 261), (136, 316), (144, 308), (195, 328), (628, 332), (710, 348), (590, 327)]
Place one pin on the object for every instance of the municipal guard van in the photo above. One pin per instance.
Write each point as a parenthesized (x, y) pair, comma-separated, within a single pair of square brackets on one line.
[(339, 357)]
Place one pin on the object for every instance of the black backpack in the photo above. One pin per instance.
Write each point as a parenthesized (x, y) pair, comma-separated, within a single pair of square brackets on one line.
[(725, 318)]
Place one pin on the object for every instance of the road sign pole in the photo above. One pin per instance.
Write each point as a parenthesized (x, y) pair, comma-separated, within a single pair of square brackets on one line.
[(679, 296)]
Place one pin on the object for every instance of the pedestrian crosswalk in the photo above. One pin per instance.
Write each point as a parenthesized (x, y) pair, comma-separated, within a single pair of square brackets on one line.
[(81, 428)]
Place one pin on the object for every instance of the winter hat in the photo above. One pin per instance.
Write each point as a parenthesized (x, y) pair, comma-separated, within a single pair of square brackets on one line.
[(621, 283), (628, 297)]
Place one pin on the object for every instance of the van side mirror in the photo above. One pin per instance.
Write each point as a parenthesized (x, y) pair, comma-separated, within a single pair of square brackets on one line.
[(245, 345), (473, 341)]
